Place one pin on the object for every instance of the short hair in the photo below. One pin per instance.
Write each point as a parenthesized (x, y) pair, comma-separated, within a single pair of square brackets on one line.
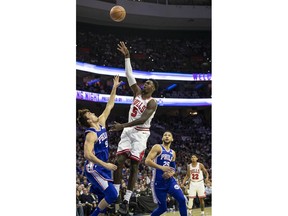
[(168, 132), (156, 85), (194, 155), (82, 119)]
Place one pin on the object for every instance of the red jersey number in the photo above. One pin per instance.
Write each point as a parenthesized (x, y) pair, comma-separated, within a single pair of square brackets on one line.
[(195, 176), (134, 112)]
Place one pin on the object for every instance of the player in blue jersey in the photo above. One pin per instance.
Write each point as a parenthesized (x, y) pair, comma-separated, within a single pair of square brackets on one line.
[(96, 151), (162, 159)]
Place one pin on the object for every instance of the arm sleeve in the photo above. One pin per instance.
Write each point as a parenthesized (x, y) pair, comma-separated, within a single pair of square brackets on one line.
[(128, 71)]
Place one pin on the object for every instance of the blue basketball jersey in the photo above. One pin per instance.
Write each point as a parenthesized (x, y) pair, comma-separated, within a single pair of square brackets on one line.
[(163, 159), (101, 151)]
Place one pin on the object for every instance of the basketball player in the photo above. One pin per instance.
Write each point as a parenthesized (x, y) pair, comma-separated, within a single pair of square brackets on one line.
[(195, 172), (162, 159), (136, 131), (96, 151)]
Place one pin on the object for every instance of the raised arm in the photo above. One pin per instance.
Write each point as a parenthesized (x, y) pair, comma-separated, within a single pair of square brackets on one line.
[(110, 103), (90, 139), (205, 172), (149, 161), (128, 69), (151, 107)]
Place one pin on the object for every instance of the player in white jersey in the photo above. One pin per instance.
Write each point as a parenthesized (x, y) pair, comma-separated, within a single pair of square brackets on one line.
[(136, 131), (195, 172)]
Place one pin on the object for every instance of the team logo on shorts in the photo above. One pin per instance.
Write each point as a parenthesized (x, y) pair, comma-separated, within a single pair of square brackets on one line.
[(176, 187)]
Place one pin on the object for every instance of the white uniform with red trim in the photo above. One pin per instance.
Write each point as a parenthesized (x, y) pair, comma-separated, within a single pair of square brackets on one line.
[(196, 182), (134, 139)]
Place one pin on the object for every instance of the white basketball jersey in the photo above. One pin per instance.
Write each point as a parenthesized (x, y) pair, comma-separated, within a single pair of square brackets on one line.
[(137, 108), (196, 173)]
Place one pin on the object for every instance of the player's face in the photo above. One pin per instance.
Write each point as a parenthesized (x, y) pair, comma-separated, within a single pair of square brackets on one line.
[(194, 158), (148, 86), (91, 117), (167, 137)]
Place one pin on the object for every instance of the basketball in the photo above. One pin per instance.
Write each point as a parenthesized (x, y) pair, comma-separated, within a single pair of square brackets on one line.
[(117, 13)]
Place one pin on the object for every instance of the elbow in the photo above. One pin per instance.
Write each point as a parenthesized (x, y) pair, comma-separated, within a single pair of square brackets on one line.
[(142, 121), (87, 156), (147, 162)]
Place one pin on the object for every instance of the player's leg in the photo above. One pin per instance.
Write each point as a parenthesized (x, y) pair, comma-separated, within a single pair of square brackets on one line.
[(191, 196), (138, 147), (110, 196), (159, 196), (124, 206), (201, 194), (177, 193), (123, 149), (102, 188)]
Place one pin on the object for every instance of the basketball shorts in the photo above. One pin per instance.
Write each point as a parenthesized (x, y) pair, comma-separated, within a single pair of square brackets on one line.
[(133, 142), (197, 187)]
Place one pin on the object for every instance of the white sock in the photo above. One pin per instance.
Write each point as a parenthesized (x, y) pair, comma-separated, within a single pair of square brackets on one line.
[(117, 186), (127, 195), (202, 212)]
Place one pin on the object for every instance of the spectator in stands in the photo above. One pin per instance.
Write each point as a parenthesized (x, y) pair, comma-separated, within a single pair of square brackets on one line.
[(89, 202)]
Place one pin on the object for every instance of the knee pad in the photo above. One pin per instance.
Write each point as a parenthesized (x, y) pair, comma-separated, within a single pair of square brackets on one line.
[(110, 194)]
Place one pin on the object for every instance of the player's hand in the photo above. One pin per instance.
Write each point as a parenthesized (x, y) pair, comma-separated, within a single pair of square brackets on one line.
[(167, 169), (123, 49), (110, 166), (116, 127), (116, 81), (167, 175)]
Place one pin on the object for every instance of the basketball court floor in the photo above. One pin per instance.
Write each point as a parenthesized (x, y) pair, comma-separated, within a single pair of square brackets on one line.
[(195, 212)]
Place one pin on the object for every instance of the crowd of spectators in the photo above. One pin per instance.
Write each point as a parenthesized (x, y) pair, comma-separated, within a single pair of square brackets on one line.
[(151, 50), (192, 135)]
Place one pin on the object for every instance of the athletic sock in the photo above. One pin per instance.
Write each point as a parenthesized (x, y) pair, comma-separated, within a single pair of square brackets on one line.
[(127, 196)]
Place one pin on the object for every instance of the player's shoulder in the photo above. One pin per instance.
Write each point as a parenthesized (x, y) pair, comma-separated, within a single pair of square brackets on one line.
[(157, 145), (90, 132), (200, 164)]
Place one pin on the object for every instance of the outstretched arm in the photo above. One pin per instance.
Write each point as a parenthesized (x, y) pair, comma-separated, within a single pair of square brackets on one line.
[(156, 149), (151, 107), (128, 69), (110, 103)]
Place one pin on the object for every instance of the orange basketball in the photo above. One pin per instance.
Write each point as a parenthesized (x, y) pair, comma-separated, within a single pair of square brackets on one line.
[(117, 13)]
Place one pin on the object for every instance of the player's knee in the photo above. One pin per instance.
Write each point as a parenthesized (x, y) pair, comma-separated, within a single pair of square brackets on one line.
[(134, 166), (111, 194), (120, 160), (162, 209), (182, 200)]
